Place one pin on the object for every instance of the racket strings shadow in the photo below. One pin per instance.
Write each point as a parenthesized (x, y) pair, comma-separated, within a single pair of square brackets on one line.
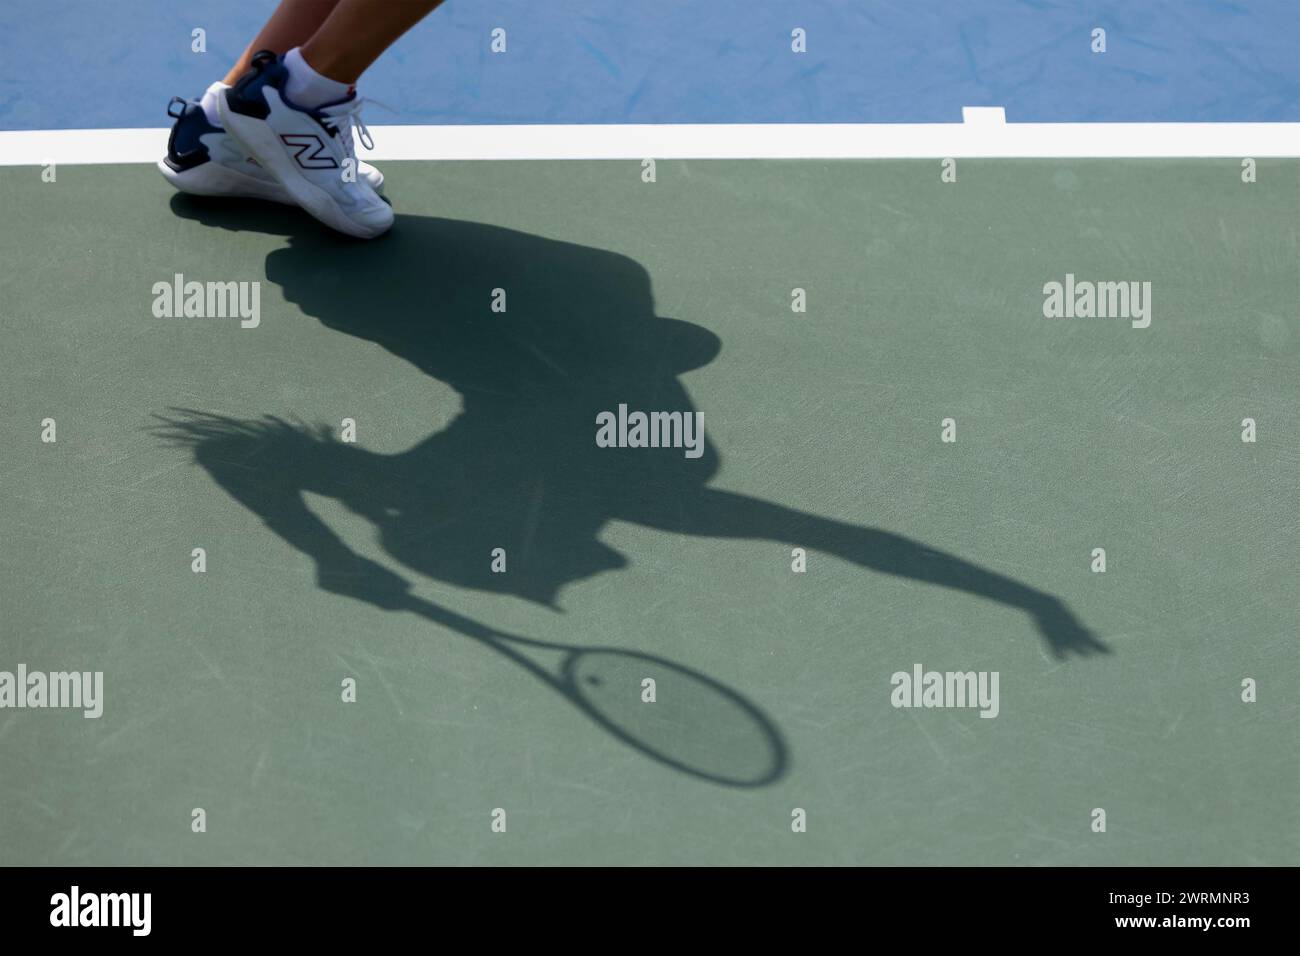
[(694, 723)]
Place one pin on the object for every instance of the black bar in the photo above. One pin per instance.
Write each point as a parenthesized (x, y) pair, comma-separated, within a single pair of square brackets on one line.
[(583, 907)]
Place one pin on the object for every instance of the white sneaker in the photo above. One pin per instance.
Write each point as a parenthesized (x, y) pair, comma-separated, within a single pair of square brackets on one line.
[(204, 160), (308, 151)]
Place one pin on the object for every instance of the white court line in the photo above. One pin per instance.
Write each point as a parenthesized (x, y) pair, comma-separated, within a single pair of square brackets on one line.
[(983, 133)]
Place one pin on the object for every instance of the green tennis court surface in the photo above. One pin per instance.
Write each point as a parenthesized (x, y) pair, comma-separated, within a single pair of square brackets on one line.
[(475, 430)]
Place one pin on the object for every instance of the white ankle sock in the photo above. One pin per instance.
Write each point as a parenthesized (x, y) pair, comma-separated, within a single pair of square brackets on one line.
[(209, 103), (308, 88)]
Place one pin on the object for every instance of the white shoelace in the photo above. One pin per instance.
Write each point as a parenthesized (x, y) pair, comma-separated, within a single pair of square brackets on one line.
[(346, 117)]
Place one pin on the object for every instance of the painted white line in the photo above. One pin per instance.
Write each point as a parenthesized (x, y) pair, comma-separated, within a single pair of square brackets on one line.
[(984, 115), (985, 133)]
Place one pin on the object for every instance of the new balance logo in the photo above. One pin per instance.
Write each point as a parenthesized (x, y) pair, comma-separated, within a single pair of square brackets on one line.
[(311, 152)]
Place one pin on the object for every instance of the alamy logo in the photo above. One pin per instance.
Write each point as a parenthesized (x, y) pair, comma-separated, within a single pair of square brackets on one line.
[(75, 690), (208, 300), (950, 689), (651, 430), (311, 152), (1098, 300), (102, 909)]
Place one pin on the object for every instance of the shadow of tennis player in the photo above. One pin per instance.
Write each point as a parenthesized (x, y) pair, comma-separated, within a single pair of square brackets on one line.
[(519, 468)]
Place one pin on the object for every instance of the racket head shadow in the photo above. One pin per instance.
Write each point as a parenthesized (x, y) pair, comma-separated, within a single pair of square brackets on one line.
[(695, 724)]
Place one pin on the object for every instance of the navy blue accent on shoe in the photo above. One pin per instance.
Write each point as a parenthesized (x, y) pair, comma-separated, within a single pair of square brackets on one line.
[(268, 69), (185, 149), (245, 97)]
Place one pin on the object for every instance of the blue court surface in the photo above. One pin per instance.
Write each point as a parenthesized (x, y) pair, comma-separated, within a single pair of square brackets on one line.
[(676, 61)]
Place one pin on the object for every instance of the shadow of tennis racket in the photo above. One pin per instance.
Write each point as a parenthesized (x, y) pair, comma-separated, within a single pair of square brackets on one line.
[(696, 725)]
